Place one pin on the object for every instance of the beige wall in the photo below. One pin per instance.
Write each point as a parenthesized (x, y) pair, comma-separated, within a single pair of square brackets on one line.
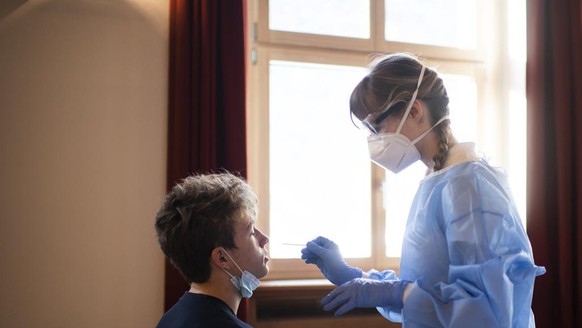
[(83, 98)]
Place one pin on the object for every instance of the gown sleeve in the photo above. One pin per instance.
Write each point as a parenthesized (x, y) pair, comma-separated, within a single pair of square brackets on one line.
[(491, 271)]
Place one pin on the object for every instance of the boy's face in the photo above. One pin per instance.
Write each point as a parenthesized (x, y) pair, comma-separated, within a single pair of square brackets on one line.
[(251, 254)]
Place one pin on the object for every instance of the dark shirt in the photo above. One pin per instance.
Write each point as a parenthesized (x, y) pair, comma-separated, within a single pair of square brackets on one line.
[(200, 311)]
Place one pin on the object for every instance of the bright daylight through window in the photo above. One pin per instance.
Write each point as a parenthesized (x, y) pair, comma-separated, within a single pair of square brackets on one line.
[(309, 162)]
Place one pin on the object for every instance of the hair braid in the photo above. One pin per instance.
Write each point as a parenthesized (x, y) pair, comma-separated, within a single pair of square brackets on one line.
[(443, 131)]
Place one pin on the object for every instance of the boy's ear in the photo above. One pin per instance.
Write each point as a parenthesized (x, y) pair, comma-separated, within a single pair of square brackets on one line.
[(218, 258)]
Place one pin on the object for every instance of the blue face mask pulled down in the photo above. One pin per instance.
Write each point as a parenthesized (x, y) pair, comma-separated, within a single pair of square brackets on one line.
[(246, 283)]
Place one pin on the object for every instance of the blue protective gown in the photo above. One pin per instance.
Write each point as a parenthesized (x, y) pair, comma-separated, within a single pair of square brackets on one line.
[(466, 252)]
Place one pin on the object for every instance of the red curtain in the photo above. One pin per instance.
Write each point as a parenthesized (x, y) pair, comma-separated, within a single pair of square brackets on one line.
[(206, 131), (554, 96)]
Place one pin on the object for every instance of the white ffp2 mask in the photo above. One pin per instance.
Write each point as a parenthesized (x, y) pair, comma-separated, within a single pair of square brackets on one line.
[(394, 151)]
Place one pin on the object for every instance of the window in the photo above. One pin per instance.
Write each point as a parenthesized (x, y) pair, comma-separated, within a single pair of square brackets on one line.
[(309, 163)]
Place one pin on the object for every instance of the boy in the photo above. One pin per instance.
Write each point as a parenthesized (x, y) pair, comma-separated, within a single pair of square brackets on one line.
[(206, 227)]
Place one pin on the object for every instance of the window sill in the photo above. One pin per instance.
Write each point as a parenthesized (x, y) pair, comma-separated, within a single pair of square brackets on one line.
[(295, 303)]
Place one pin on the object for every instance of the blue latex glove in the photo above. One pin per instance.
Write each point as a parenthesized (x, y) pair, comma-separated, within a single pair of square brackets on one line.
[(365, 293), (326, 255)]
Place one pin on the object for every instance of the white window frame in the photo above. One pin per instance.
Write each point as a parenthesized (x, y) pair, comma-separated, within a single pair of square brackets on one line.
[(265, 45)]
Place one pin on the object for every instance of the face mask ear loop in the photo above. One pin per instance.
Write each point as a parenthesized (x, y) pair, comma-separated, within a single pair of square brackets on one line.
[(225, 252), (427, 131), (409, 107)]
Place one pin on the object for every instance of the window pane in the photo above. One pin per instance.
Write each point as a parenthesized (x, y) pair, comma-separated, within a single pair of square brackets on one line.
[(462, 91), (449, 23), (319, 175), (347, 18), (399, 189)]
